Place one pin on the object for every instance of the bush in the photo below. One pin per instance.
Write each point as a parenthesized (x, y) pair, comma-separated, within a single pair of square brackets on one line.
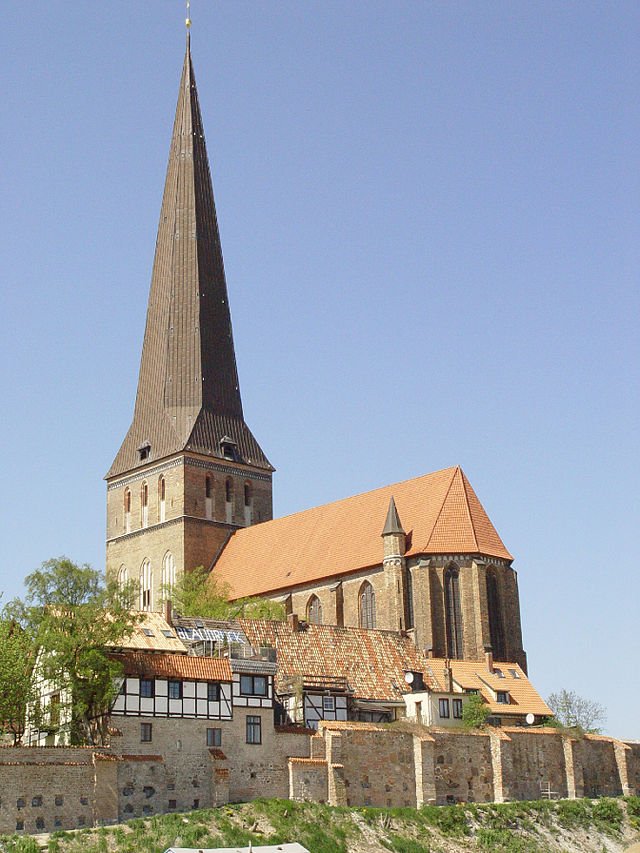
[(475, 713)]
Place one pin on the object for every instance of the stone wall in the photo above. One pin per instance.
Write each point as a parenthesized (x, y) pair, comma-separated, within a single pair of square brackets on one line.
[(461, 767)]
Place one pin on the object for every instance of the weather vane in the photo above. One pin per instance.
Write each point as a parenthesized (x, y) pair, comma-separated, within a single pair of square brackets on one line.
[(188, 18)]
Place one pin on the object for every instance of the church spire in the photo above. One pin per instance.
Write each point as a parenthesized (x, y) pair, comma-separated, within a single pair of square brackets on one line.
[(188, 394)]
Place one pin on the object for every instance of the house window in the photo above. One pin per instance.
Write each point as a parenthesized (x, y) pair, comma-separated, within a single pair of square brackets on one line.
[(146, 688), (168, 574), (127, 511), (146, 732), (214, 737), (453, 612), (146, 586), (502, 697), (367, 606), (328, 703), (253, 685), (254, 730), (175, 689), (213, 692), (457, 708), (443, 708), (314, 611)]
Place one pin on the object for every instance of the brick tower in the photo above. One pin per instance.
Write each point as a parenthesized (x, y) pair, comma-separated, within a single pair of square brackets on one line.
[(189, 471)]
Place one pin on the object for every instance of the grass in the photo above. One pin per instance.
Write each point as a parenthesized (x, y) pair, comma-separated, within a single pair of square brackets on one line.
[(504, 828)]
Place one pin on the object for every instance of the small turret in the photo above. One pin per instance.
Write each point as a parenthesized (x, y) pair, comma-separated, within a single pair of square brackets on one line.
[(395, 539)]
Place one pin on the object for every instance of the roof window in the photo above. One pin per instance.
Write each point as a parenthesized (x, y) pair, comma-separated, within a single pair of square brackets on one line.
[(514, 673), (229, 448), (498, 672), (144, 451), (148, 632), (167, 633)]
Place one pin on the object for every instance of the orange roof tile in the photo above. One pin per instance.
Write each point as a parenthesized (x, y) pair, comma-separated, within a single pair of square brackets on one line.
[(440, 513), (470, 674), (372, 662), (186, 667)]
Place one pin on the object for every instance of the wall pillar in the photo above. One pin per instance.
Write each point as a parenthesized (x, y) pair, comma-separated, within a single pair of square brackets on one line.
[(424, 762), (623, 754), (500, 773)]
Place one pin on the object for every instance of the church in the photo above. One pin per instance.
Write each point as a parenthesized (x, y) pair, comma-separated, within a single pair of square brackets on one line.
[(190, 485)]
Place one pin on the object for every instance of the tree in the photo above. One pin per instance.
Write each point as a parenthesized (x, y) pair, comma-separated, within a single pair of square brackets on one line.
[(16, 684), (73, 619), (197, 593), (475, 712), (575, 712)]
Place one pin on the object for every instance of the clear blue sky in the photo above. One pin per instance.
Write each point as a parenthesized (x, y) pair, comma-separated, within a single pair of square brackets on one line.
[(430, 219)]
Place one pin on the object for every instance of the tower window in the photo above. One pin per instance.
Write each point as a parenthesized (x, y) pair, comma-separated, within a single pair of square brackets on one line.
[(162, 489), (228, 490), (168, 574), (207, 486), (208, 497), (496, 624), (146, 589), (229, 448), (248, 504), (367, 606), (144, 501), (127, 511)]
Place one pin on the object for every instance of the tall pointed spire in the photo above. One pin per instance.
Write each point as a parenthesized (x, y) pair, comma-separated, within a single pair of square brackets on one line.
[(188, 391)]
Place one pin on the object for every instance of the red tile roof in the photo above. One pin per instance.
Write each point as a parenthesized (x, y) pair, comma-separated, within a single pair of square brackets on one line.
[(372, 662), (185, 667), (440, 513)]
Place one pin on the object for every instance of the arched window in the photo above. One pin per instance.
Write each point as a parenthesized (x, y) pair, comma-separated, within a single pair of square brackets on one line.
[(146, 586), (453, 612), (228, 497), (162, 489), (123, 576), (496, 624), (144, 504), (127, 511), (409, 589), (208, 496), (367, 606), (314, 611), (248, 504), (168, 574)]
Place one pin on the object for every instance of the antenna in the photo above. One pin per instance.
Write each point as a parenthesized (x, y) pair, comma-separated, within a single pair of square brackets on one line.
[(187, 21)]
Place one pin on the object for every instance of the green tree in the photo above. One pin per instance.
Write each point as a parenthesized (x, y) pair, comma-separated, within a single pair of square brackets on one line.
[(475, 712), (74, 618), (575, 712), (16, 683), (198, 593)]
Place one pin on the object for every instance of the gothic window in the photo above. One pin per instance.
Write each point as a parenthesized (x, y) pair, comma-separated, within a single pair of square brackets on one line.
[(144, 503), (168, 574), (496, 625), (228, 497), (409, 588), (314, 611), (208, 496), (367, 606), (127, 511), (123, 576), (248, 501), (146, 586), (453, 612), (162, 490)]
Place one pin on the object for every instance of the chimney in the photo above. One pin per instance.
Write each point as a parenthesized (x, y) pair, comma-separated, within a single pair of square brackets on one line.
[(429, 652), (488, 657), (168, 610), (294, 622), (448, 677)]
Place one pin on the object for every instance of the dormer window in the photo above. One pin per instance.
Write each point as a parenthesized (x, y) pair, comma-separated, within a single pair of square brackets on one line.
[(144, 451), (229, 448), (502, 697)]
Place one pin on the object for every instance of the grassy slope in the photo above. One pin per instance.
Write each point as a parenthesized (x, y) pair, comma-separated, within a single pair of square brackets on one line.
[(602, 826)]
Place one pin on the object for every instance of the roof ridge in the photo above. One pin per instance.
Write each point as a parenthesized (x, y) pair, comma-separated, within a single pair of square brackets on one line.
[(442, 505), (465, 482)]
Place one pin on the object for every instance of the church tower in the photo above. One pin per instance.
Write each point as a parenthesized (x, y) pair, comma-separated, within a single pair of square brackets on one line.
[(189, 471)]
